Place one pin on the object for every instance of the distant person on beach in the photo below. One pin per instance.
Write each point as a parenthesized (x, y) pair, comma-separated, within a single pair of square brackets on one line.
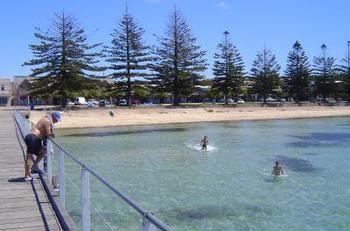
[(277, 169), (111, 113), (36, 142), (204, 143)]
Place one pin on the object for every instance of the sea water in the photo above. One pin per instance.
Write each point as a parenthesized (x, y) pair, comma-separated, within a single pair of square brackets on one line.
[(228, 187)]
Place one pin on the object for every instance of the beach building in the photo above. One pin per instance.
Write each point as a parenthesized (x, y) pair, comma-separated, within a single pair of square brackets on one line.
[(21, 92), (199, 94), (5, 92)]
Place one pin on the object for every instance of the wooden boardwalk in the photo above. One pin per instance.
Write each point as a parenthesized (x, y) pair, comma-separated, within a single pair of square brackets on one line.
[(23, 205)]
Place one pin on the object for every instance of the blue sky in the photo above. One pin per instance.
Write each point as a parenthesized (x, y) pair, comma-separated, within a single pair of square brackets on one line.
[(252, 24)]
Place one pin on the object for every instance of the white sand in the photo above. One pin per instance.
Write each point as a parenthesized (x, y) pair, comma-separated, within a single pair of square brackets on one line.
[(158, 115)]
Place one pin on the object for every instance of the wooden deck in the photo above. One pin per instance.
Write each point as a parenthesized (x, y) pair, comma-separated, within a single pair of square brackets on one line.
[(23, 205)]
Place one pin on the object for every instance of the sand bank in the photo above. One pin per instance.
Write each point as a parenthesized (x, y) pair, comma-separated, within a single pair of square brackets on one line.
[(158, 115)]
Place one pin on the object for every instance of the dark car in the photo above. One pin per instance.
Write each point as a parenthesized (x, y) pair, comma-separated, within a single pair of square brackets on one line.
[(122, 102), (103, 103)]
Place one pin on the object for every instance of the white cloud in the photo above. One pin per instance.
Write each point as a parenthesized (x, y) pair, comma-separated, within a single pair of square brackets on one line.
[(222, 4)]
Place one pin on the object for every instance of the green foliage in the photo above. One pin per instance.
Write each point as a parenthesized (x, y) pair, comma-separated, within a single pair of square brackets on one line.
[(325, 73), (228, 70), (128, 55), (179, 60), (345, 71), (61, 59), (265, 73), (141, 93), (298, 73)]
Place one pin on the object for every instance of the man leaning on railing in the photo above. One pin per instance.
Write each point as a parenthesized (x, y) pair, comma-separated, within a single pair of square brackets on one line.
[(36, 142)]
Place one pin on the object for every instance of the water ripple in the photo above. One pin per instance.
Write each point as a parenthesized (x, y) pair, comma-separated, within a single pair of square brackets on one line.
[(114, 133)]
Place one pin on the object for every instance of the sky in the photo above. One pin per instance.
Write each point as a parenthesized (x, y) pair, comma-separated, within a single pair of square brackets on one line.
[(253, 24)]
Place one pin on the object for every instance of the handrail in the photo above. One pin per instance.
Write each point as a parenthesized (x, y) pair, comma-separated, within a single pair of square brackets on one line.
[(143, 212), (57, 211)]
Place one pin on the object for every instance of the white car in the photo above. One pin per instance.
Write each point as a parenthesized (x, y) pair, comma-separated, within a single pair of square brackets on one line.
[(93, 101), (80, 101), (70, 103), (240, 101), (270, 99), (230, 101)]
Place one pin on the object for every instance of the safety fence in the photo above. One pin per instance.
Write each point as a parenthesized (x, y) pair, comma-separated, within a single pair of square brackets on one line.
[(54, 174)]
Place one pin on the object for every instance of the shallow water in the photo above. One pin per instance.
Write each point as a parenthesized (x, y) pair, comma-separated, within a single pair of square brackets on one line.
[(229, 187)]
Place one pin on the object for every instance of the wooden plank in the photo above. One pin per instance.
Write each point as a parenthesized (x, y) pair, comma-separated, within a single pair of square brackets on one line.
[(19, 208)]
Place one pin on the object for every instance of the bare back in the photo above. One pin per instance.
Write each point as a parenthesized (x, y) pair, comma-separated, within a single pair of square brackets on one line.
[(43, 128)]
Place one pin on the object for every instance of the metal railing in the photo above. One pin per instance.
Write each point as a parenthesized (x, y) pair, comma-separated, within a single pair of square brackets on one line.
[(148, 221)]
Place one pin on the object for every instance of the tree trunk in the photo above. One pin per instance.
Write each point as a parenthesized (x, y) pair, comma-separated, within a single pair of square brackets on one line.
[(129, 92)]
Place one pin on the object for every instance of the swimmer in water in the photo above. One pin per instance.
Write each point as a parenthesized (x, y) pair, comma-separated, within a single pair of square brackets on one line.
[(277, 170), (204, 143)]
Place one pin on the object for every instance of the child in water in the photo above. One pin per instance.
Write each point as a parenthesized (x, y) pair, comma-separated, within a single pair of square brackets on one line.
[(277, 170), (204, 143)]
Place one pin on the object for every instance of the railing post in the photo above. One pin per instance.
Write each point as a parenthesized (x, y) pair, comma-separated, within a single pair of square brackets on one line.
[(49, 161), (85, 199), (146, 225), (61, 182), (41, 163), (30, 126), (27, 124)]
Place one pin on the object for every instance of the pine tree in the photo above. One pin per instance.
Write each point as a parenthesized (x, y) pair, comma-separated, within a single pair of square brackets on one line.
[(324, 71), (62, 59), (128, 55), (265, 73), (345, 69), (179, 60), (298, 73), (228, 69)]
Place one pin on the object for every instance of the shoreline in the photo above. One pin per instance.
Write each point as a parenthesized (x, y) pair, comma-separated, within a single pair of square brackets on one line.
[(99, 118)]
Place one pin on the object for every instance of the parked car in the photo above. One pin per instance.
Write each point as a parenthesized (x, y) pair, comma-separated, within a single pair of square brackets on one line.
[(240, 101), (270, 99), (80, 101), (93, 101), (122, 102), (104, 103), (70, 103), (230, 101)]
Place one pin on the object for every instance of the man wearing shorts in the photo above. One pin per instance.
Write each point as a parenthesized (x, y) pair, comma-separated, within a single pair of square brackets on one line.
[(35, 140), (204, 143)]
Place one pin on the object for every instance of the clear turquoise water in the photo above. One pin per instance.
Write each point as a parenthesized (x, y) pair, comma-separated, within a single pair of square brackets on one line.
[(226, 188)]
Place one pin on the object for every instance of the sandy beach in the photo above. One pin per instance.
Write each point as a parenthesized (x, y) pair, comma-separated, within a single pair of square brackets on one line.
[(161, 115)]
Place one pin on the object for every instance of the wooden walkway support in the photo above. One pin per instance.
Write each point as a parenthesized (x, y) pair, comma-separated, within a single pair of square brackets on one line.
[(23, 205)]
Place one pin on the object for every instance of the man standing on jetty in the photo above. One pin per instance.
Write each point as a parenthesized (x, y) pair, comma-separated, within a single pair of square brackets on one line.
[(36, 142)]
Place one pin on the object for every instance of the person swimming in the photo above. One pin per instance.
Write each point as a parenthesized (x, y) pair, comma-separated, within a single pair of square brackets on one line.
[(204, 143), (277, 170)]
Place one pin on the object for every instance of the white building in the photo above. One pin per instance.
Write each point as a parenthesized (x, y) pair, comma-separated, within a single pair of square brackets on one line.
[(5, 92)]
